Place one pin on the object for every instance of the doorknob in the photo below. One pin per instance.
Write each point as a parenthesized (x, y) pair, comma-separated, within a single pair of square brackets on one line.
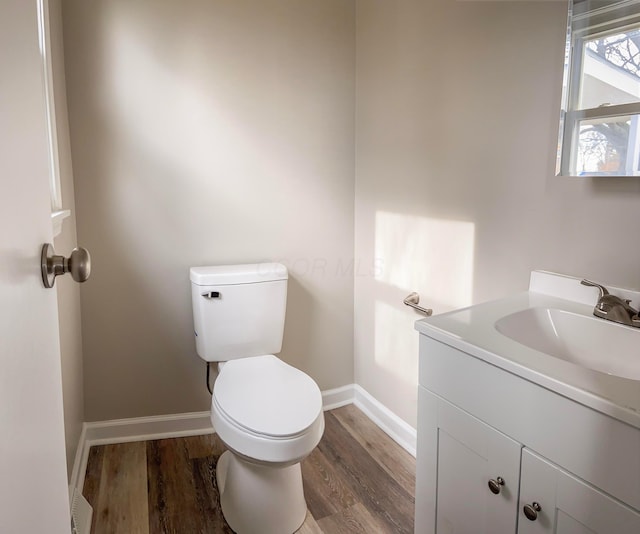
[(52, 265)]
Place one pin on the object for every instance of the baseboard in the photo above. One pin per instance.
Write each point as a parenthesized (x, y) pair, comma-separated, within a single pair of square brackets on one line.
[(148, 428), (396, 428), (338, 397), (79, 463), (198, 423)]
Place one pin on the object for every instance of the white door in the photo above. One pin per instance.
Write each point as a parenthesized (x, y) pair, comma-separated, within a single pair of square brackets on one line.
[(33, 482), (566, 504)]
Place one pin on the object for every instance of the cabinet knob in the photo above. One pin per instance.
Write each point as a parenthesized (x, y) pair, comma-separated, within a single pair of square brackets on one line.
[(495, 485), (531, 510)]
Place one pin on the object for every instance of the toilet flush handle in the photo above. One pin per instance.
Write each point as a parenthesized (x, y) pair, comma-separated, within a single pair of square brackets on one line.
[(212, 295)]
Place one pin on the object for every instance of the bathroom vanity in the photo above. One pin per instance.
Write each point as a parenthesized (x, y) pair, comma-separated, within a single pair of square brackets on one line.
[(517, 433)]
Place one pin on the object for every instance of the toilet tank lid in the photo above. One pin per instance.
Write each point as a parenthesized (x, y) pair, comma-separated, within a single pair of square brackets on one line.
[(220, 275)]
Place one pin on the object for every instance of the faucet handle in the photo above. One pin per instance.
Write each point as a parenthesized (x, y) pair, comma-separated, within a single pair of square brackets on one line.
[(603, 290)]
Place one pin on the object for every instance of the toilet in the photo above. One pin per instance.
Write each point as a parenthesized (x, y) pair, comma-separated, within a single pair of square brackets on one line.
[(267, 413)]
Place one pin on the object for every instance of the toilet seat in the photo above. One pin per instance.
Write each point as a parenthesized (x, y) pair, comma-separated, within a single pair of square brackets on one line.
[(267, 397), (267, 410)]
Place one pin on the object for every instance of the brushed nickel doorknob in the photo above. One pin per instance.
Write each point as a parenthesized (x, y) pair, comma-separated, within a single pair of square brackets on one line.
[(52, 265)]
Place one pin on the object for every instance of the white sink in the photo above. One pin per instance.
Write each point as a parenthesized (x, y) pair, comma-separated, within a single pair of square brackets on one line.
[(586, 341)]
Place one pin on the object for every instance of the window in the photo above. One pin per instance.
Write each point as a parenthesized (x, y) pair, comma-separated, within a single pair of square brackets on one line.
[(600, 124)]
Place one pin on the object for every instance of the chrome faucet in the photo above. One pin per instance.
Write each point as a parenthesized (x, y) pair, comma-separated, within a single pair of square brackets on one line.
[(613, 308)]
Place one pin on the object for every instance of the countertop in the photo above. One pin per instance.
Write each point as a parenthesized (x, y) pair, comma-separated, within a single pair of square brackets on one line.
[(472, 330)]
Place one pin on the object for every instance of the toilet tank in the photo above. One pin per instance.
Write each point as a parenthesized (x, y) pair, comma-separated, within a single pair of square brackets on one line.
[(238, 310)]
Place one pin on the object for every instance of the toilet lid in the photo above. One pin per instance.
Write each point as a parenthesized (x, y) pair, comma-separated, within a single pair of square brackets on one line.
[(267, 396)]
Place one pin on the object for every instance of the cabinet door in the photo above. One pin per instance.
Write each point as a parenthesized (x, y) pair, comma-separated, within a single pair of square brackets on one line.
[(465, 454), (567, 504)]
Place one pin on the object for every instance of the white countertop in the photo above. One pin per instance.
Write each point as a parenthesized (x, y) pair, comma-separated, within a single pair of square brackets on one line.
[(472, 330)]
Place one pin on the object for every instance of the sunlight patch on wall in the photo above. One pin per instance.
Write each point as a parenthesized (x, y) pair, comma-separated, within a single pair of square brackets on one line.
[(431, 256)]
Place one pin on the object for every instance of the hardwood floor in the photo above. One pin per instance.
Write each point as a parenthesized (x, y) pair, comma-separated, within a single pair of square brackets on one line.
[(357, 480)]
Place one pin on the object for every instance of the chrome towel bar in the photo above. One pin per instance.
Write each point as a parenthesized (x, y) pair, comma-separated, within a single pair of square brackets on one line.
[(413, 300)]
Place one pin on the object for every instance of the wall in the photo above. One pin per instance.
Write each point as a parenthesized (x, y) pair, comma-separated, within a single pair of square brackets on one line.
[(68, 290), (208, 133), (456, 198), (223, 131)]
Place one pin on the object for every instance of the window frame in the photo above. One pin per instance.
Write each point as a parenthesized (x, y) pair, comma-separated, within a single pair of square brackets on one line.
[(584, 27)]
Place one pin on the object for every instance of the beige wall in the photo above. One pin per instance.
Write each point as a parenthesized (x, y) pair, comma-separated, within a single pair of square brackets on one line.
[(222, 131), (456, 198), (68, 290), (208, 133)]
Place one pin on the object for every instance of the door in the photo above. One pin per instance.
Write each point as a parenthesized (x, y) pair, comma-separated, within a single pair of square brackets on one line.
[(566, 504), (474, 482), (33, 483)]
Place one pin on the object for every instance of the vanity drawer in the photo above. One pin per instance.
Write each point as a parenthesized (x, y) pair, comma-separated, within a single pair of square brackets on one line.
[(595, 447)]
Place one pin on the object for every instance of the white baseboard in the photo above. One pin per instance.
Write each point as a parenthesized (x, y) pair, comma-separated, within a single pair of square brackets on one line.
[(338, 397), (79, 463), (396, 428), (148, 428), (198, 423)]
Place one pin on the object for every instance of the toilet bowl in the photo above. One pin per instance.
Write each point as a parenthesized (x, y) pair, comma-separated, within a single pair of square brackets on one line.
[(267, 410), (267, 413)]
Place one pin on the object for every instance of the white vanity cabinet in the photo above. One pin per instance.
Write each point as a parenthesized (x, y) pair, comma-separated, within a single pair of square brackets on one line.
[(567, 504), (478, 422), (466, 455)]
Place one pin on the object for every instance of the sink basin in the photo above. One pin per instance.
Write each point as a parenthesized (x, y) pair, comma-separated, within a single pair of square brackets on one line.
[(586, 341)]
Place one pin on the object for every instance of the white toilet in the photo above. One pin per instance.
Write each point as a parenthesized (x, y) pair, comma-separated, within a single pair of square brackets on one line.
[(266, 412)]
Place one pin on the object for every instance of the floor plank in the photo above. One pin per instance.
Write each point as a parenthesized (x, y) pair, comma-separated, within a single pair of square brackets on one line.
[(353, 520), (122, 498), (204, 477), (378, 491), (174, 506), (91, 488), (203, 446), (324, 490), (397, 462), (309, 526), (356, 480)]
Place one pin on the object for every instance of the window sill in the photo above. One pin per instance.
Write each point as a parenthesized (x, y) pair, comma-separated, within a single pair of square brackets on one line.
[(56, 218)]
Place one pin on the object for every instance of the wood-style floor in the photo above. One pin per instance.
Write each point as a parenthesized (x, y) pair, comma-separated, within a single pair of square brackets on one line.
[(356, 481)]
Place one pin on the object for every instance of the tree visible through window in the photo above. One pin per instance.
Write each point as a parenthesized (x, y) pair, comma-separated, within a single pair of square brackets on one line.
[(605, 145), (621, 50)]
